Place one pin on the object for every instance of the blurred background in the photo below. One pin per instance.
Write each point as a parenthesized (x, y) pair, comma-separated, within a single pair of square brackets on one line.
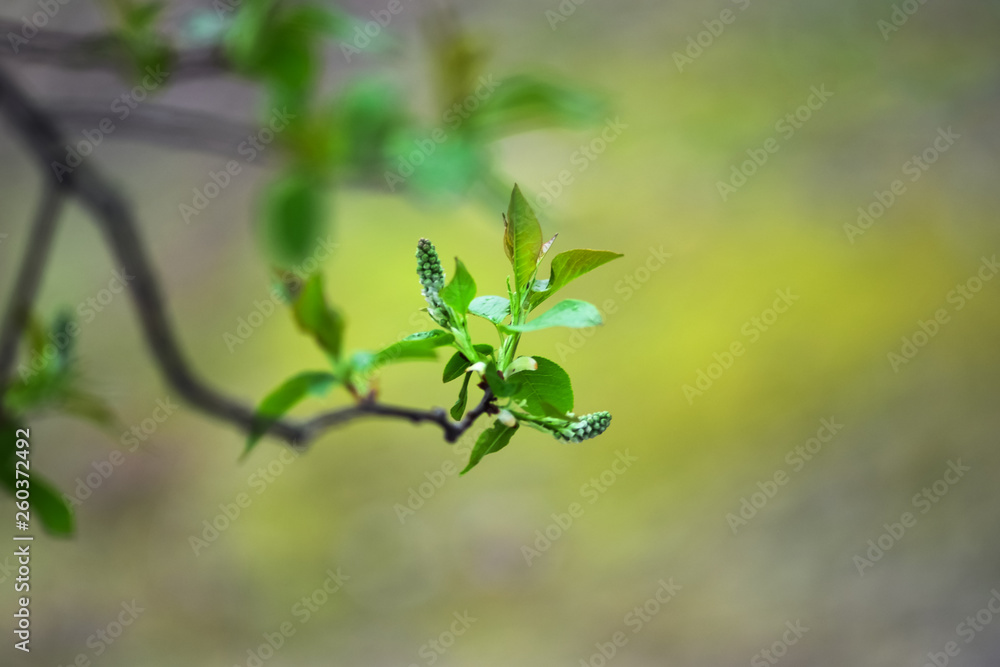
[(736, 144)]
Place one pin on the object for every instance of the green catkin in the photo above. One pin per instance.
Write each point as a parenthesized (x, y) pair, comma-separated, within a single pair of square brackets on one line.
[(431, 276)]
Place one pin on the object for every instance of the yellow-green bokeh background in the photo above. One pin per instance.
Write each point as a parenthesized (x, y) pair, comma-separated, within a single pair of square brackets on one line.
[(666, 516)]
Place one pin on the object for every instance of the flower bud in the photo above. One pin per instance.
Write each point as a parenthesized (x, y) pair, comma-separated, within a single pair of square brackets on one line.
[(431, 275), (507, 419), (585, 428)]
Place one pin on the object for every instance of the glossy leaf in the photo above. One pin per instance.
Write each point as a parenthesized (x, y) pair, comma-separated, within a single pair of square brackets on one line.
[(545, 388), (490, 441), (522, 239), (459, 362), (285, 397), (570, 313), (493, 308), (415, 346), (460, 292), (567, 267)]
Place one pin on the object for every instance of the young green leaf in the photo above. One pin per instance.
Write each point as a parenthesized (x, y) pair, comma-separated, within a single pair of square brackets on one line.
[(567, 267), (284, 398), (458, 409), (490, 441), (415, 346), (316, 318), (459, 362), (492, 308), (460, 292), (570, 313), (522, 239), (545, 388)]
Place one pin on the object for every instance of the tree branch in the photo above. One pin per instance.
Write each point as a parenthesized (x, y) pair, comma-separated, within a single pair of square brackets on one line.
[(114, 217), (29, 278), (68, 50)]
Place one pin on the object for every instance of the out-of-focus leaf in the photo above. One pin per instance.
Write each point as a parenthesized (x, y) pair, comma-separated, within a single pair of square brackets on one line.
[(295, 218), (315, 317), (525, 102), (285, 397), (45, 501)]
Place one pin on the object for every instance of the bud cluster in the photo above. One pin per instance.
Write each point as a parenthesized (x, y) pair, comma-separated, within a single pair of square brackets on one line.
[(431, 280), (584, 428)]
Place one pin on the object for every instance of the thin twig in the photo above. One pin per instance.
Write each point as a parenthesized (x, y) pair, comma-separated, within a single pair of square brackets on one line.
[(114, 217), (29, 278)]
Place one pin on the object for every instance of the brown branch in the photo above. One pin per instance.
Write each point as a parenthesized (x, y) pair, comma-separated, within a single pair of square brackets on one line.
[(29, 278), (68, 50), (114, 217)]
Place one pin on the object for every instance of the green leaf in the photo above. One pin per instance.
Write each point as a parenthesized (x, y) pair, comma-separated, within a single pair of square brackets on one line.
[(285, 397), (459, 362), (570, 313), (318, 319), (546, 388), (458, 409), (492, 308), (527, 102), (502, 388), (460, 292), (46, 502), (567, 267), (415, 346), (522, 239), (51, 507), (490, 441), (295, 217)]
